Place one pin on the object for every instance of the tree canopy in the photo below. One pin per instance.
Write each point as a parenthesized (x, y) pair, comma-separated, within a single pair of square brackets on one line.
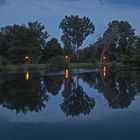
[(52, 49), (75, 30), (16, 41)]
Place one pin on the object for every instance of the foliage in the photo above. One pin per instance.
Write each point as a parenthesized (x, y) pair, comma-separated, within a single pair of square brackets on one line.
[(87, 54), (19, 40), (53, 84), (75, 30), (51, 49), (117, 39), (3, 61), (118, 88), (57, 62), (76, 101), (16, 93)]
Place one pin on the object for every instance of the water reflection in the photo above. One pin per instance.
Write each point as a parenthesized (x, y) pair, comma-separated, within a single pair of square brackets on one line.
[(104, 71), (53, 84), (27, 76), (23, 94), (119, 88), (75, 99), (29, 92), (66, 73)]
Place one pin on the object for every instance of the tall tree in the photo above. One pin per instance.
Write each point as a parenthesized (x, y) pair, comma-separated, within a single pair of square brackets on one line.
[(37, 38), (117, 39), (19, 40), (75, 30)]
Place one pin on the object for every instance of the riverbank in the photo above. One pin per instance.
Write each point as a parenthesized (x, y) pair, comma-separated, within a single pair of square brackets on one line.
[(46, 67), (25, 67)]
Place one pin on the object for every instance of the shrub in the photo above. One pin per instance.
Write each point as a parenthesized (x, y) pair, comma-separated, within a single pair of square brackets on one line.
[(57, 62), (3, 63)]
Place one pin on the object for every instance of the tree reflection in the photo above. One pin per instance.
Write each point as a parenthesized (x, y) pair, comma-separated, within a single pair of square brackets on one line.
[(18, 93), (119, 88), (76, 101), (53, 84)]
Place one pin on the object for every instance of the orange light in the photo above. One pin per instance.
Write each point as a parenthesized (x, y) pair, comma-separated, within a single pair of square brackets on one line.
[(27, 76), (66, 58), (104, 71), (67, 74)]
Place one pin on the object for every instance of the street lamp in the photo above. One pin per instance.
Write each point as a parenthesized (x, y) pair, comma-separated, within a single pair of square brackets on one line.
[(67, 60), (104, 58), (26, 59)]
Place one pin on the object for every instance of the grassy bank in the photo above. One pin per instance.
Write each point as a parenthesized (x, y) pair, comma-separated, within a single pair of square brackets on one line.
[(81, 65), (46, 67), (23, 67)]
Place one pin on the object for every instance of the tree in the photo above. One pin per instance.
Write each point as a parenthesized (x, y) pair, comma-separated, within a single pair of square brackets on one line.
[(117, 39), (87, 54), (37, 38), (19, 40), (52, 49), (75, 31)]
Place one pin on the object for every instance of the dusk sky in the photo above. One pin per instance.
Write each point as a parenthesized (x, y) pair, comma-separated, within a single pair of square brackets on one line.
[(50, 13)]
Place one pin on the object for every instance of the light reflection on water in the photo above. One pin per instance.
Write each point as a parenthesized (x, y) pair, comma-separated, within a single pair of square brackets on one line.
[(104, 71), (71, 98), (27, 76)]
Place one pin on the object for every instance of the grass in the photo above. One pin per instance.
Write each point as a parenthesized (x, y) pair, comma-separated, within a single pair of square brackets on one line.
[(81, 65), (25, 67)]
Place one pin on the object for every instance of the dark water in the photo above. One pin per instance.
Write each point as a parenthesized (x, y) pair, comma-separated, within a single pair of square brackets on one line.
[(92, 105)]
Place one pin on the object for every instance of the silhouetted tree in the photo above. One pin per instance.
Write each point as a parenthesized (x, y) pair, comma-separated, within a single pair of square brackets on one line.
[(19, 40), (52, 49), (75, 30)]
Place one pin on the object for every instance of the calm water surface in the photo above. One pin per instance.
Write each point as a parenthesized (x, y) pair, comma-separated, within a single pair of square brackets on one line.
[(91, 105)]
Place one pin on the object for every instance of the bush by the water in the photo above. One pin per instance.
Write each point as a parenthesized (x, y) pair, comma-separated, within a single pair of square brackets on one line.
[(57, 62), (3, 63)]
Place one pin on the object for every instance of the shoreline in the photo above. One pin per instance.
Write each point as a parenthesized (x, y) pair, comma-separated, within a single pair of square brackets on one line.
[(45, 67)]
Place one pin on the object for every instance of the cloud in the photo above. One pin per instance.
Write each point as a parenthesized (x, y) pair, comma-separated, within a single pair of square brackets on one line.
[(50, 13), (122, 3), (116, 3)]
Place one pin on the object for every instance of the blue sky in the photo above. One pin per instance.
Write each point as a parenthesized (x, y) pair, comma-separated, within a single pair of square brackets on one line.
[(50, 13)]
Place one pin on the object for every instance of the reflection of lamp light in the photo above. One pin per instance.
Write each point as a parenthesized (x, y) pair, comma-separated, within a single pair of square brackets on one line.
[(104, 71), (27, 76), (66, 73)]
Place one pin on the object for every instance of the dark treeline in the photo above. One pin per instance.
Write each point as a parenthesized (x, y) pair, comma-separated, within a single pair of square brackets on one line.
[(19, 41), (117, 44)]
